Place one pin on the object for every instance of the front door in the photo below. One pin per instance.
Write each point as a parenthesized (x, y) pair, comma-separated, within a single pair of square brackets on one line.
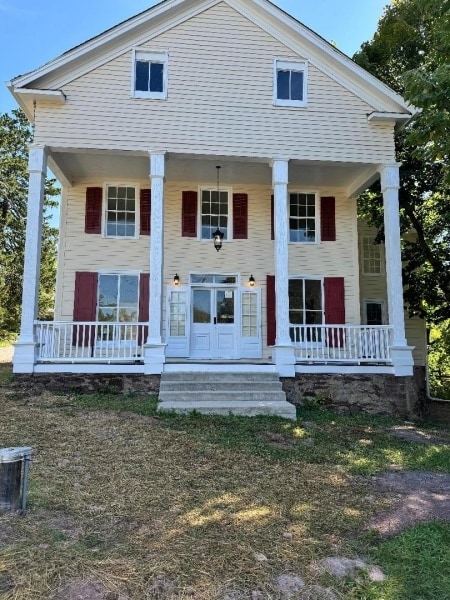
[(213, 330)]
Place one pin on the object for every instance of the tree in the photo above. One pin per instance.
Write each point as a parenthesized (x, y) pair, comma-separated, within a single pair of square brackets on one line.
[(410, 52), (15, 136)]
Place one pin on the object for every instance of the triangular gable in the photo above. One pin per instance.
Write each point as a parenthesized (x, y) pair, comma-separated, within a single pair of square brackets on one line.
[(169, 13)]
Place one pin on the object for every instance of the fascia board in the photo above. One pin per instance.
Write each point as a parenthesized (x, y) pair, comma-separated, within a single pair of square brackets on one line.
[(92, 54), (320, 53)]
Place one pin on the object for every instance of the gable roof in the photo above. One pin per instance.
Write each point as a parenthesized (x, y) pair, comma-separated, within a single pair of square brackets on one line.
[(165, 15)]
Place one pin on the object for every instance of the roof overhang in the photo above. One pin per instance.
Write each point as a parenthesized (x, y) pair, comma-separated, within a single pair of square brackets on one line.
[(26, 97)]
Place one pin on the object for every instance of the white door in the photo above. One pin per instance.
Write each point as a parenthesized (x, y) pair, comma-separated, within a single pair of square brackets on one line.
[(213, 330)]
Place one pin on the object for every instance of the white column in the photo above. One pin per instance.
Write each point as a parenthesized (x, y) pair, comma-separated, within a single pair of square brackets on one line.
[(284, 351), (154, 351), (401, 352), (26, 346)]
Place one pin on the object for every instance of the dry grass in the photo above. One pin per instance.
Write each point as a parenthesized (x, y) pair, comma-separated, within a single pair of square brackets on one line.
[(155, 508)]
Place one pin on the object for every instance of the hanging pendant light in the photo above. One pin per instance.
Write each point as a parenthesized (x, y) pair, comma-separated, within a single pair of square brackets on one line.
[(218, 235)]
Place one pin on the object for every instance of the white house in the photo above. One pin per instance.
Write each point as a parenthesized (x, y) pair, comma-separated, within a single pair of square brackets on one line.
[(136, 122)]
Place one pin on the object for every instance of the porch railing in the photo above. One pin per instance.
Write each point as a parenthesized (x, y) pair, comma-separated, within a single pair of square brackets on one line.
[(342, 343), (62, 341)]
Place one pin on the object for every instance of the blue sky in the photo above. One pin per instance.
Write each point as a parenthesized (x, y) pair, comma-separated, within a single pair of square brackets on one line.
[(33, 32)]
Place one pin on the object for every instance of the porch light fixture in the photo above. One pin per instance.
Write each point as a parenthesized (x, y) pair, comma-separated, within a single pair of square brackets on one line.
[(251, 281), (176, 279), (218, 235)]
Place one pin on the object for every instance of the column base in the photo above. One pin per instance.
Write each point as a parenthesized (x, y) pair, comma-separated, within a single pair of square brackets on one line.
[(154, 358), (402, 360), (284, 359), (25, 357)]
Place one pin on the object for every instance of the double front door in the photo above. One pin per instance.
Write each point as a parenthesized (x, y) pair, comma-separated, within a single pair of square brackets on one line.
[(214, 326)]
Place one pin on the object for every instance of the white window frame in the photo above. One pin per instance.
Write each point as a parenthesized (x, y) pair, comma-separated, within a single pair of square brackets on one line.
[(301, 66), (137, 220), (317, 215), (320, 278), (212, 188), (149, 55), (382, 303), (363, 258)]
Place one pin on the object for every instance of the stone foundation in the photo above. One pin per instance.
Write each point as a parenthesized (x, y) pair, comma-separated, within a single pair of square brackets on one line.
[(86, 383), (402, 397)]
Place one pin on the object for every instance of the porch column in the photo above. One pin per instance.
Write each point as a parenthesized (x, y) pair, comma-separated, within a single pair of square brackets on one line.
[(26, 346), (284, 352), (400, 351), (154, 350)]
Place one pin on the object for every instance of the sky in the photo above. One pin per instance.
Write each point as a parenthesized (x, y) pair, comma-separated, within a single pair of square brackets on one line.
[(33, 32)]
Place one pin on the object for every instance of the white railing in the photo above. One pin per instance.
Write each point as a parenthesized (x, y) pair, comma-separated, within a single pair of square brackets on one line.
[(342, 343), (62, 341)]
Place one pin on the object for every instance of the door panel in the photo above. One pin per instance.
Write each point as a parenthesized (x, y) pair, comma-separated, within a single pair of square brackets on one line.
[(213, 333)]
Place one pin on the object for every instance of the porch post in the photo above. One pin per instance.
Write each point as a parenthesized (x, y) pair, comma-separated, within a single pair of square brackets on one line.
[(154, 349), (284, 352), (26, 346), (400, 351)]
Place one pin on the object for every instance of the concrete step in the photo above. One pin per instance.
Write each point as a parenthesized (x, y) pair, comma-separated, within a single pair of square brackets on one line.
[(245, 408), (218, 376), (219, 386), (214, 397)]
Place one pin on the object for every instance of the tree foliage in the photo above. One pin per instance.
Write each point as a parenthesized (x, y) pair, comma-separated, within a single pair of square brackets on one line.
[(15, 136), (410, 52)]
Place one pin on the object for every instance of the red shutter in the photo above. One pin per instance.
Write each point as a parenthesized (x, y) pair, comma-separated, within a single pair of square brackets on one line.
[(328, 219), (334, 308), (240, 216), (84, 308), (144, 290), (271, 314), (272, 218), (93, 211), (145, 211), (189, 214)]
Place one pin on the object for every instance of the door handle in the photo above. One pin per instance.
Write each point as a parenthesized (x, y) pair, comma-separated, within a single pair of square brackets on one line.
[(215, 320)]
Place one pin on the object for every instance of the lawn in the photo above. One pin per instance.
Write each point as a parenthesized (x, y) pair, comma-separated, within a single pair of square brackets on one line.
[(199, 507)]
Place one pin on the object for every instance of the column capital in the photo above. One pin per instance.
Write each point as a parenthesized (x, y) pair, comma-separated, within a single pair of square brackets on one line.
[(389, 176), (37, 158), (157, 164), (280, 171)]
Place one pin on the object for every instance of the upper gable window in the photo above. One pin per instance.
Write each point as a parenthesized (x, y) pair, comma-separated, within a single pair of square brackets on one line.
[(149, 74), (290, 83)]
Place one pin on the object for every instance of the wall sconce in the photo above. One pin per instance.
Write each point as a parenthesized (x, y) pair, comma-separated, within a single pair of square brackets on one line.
[(251, 281), (176, 279)]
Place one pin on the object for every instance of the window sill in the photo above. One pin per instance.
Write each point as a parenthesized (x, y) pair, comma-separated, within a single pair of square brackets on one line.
[(291, 103), (149, 95)]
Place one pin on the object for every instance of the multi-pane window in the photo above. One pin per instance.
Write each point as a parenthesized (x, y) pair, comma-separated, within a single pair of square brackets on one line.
[(150, 74), (249, 315), (305, 302), (118, 298), (120, 211), (290, 83), (214, 213), (177, 314), (374, 312), (371, 257), (302, 217)]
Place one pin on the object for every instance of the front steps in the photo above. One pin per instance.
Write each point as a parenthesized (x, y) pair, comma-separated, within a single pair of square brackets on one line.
[(222, 393)]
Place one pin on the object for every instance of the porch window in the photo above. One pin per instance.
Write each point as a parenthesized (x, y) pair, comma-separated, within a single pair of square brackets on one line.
[(372, 260), (305, 308), (120, 211), (214, 211), (118, 302), (177, 314), (249, 315), (374, 312), (290, 83), (150, 74), (303, 217)]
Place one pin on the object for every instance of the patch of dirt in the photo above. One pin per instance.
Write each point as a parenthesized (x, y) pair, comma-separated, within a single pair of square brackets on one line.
[(161, 587), (59, 521), (340, 567), (413, 434), (87, 589), (8, 533), (421, 496), (276, 440)]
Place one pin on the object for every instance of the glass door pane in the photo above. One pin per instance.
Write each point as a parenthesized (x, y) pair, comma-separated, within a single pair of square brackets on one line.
[(201, 300), (225, 307)]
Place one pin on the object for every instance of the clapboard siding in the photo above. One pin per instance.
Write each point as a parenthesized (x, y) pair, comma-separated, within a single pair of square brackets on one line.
[(373, 287), (183, 255), (219, 101)]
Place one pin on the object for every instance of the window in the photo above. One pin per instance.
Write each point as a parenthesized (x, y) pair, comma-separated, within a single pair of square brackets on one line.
[(372, 260), (290, 83), (149, 74), (177, 314), (249, 310), (120, 211), (305, 308), (214, 211), (118, 298), (302, 217), (374, 312)]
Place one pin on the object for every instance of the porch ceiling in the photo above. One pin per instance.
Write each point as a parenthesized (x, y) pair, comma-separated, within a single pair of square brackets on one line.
[(74, 166)]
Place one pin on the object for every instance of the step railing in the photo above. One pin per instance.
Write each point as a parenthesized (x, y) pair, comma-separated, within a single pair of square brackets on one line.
[(342, 343), (90, 341)]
